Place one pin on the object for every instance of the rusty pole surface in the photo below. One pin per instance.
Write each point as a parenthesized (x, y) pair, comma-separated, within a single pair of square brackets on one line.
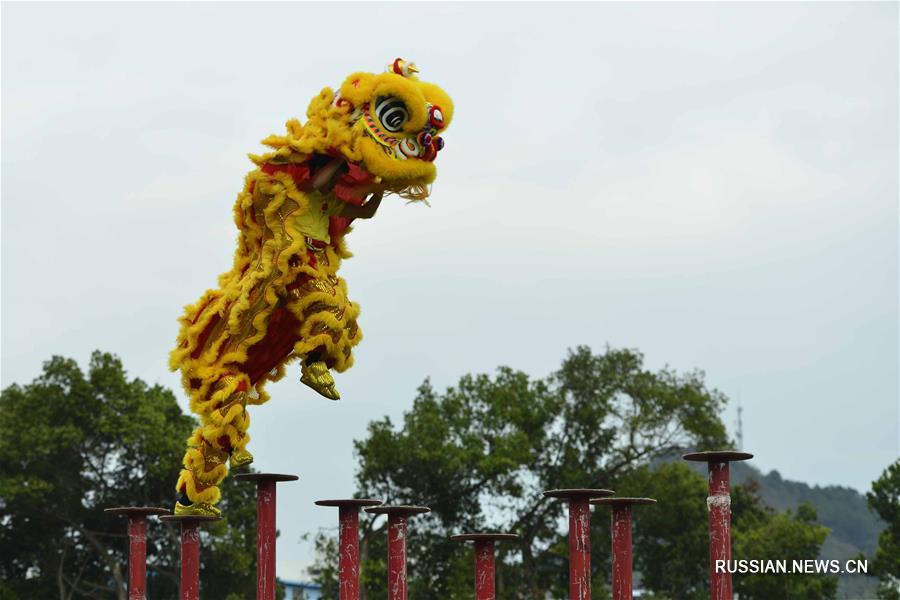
[(484, 560), (397, 533), (620, 526), (190, 553), (265, 529), (718, 504), (137, 546), (579, 537), (190, 560), (348, 543)]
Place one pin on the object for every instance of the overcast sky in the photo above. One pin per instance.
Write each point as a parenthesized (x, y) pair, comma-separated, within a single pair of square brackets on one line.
[(713, 184)]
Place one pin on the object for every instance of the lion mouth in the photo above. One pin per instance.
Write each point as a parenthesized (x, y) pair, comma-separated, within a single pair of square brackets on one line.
[(422, 146), (407, 149)]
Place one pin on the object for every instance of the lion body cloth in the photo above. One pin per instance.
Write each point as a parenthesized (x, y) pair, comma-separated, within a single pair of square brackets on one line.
[(283, 300)]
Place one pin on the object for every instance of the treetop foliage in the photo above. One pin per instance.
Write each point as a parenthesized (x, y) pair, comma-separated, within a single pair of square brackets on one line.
[(73, 443), (884, 499), (481, 453)]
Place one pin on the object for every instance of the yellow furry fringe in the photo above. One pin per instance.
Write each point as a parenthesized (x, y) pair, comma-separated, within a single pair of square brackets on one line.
[(195, 463), (218, 332), (197, 493)]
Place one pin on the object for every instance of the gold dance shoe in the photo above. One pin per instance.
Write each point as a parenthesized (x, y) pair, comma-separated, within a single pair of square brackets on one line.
[(317, 376), (197, 509), (240, 458)]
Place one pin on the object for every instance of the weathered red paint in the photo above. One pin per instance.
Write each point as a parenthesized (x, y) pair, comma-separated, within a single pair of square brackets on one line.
[(190, 560), (137, 546), (620, 525), (484, 570), (137, 557), (348, 543), (718, 504), (620, 528), (397, 533), (397, 583), (265, 529), (579, 538), (579, 548), (485, 575), (348, 561), (190, 553), (265, 540)]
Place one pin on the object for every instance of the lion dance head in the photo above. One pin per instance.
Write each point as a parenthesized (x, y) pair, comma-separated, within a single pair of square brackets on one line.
[(389, 124)]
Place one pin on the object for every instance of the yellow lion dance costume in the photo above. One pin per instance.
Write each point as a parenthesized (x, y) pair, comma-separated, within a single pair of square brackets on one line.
[(378, 134)]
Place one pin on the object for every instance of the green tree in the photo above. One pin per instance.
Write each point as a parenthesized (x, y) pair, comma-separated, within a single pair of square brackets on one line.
[(670, 536), (788, 535), (884, 499), (480, 454), (73, 443)]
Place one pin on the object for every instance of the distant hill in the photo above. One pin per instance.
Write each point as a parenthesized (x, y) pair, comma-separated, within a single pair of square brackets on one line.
[(854, 528), (841, 509)]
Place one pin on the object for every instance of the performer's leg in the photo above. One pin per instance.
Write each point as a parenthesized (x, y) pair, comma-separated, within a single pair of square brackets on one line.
[(328, 332), (204, 469), (232, 421), (315, 373), (222, 434)]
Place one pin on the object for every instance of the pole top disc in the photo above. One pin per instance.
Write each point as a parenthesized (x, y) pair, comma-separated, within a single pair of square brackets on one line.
[(398, 510), (622, 501), (717, 456), (486, 537), (187, 518), (349, 502), (137, 510), (265, 477), (578, 493)]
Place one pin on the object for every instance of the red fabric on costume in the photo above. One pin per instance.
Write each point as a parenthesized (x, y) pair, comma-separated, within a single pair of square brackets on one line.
[(338, 225), (281, 335), (201, 341), (283, 328), (354, 185), (299, 173)]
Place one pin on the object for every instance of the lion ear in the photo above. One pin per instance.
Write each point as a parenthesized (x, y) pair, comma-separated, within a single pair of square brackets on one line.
[(358, 88), (436, 95)]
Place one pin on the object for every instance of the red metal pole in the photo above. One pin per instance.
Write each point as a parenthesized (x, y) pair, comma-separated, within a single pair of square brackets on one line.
[(137, 557), (265, 529), (190, 552), (579, 548), (397, 584), (620, 526), (190, 560), (348, 560), (718, 504), (484, 570), (579, 538), (348, 543), (265, 540), (397, 534), (484, 560), (137, 546)]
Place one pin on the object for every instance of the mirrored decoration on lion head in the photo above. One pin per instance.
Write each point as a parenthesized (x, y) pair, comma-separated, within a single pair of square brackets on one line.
[(391, 124)]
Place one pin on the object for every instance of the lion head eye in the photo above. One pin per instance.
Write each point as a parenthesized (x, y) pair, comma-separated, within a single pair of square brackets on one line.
[(391, 112)]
